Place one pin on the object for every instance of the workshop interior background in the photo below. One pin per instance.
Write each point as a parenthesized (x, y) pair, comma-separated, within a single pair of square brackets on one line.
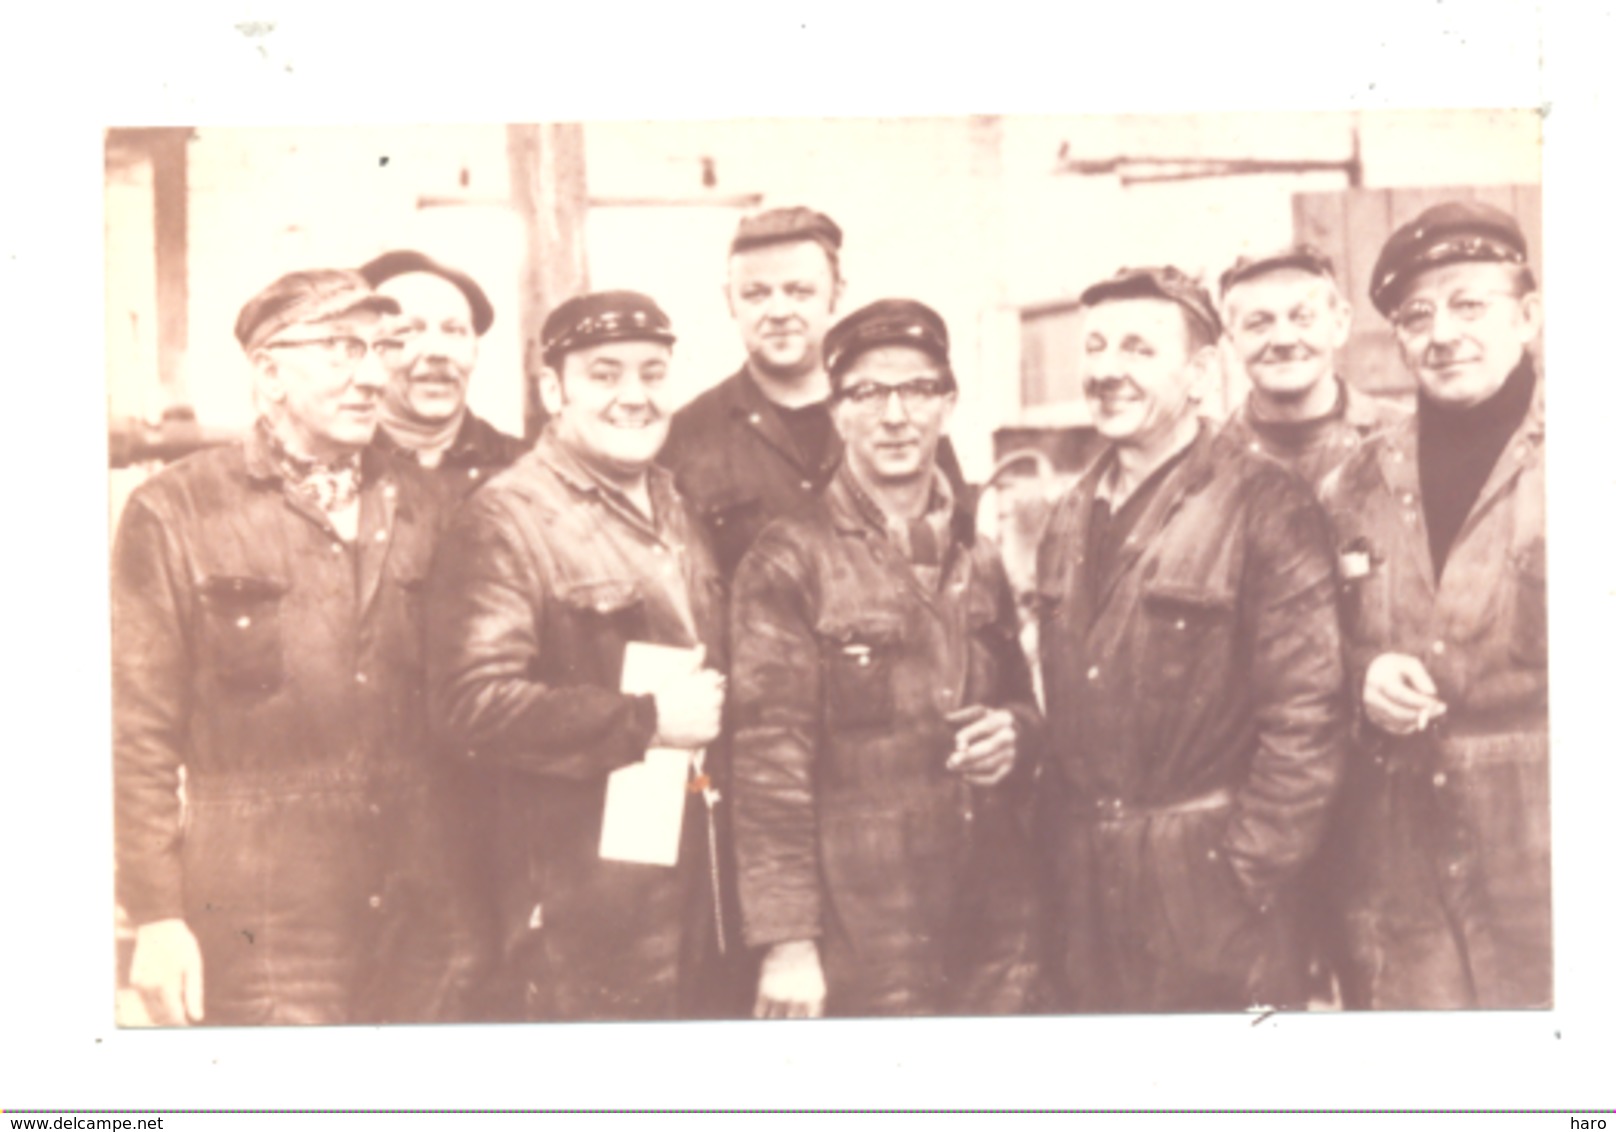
[(997, 222)]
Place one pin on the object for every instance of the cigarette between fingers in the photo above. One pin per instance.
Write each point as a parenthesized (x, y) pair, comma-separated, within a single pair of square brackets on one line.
[(1424, 719)]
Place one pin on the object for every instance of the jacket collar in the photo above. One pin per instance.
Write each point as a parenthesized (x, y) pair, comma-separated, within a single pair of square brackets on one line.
[(747, 402), (264, 471), (550, 453)]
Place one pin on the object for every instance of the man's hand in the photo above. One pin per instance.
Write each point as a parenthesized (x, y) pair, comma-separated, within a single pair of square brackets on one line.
[(690, 709), (984, 744), (792, 985), (167, 971), (1399, 695)]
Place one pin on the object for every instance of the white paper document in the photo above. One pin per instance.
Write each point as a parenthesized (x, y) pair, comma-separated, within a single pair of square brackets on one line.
[(645, 801)]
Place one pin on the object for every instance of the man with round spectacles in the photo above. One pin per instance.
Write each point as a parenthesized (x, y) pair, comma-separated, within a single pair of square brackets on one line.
[(884, 718), (267, 645), (1442, 854)]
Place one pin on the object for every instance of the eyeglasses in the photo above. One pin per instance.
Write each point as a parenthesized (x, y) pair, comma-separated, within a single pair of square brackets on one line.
[(1417, 317), (916, 394), (341, 349)]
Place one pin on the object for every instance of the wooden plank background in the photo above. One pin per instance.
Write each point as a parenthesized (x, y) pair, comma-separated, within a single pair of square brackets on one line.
[(1350, 226)]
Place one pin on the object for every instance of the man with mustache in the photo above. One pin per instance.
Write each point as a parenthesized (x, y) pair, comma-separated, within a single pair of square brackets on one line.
[(884, 716), (1287, 322), (1192, 666), (1442, 871), (267, 646), (549, 574), (760, 444), (442, 315)]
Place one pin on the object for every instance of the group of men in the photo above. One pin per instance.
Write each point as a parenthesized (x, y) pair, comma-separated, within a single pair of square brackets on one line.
[(383, 723)]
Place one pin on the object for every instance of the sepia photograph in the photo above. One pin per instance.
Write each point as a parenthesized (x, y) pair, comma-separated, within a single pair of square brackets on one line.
[(843, 559), (623, 571)]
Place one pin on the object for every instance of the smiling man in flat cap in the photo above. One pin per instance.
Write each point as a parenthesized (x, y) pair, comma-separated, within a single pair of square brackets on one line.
[(884, 716), (267, 642), (1443, 861), (576, 554), (1286, 318), (761, 443), (1191, 658), (443, 314)]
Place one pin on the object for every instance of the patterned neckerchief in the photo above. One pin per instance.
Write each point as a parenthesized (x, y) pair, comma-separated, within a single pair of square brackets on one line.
[(332, 485)]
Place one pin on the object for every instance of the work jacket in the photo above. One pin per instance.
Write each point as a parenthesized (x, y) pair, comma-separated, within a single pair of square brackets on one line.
[(1442, 848), (1326, 447), (281, 669), (546, 575), (740, 469), (1197, 716), (848, 828)]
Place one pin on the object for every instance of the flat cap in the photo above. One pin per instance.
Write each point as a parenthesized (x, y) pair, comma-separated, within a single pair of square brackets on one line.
[(783, 225), (1456, 231), (886, 322), (603, 316), (1301, 257), (305, 296), (1157, 283), (402, 262)]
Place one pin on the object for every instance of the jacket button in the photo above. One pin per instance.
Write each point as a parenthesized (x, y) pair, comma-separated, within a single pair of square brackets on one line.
[(1179, 624), (390, 490), (473, 473), (1439, 779), (336, 548), (1455, 869), (807, 485), (1211, 854), (1439, 648), (1094, 673), (375, 901), (243, 622), (361, 678), (755, 418), (381, 536), (535, 920)]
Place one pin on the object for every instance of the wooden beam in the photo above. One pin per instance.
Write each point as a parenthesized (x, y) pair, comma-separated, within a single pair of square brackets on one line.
[(549, 190)]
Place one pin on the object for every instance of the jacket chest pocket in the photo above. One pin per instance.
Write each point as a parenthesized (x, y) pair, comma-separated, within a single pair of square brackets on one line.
[(603, 616), (1365, 580), (857, 660), (241, 632), (1185, 627), (1529, 628)]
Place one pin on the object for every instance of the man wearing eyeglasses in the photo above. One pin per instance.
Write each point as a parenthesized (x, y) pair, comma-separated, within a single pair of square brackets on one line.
[(267, 646), (443, 316), (1287, 321), (761, 443), (576, 557), (1191, 656), (884, 719), (1443, 862)]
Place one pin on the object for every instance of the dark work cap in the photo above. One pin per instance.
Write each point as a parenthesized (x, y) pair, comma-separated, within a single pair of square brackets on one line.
[(603, 316), (1157, 283), (305, 296), (1301, 257), (1456, 231), (887, 322), (783, 225), (389, 264)]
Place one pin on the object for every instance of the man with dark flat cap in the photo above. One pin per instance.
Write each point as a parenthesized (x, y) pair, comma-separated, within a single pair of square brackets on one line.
[(1287, 321), (1442, 854), (884, 716), (553, 578), (761, 443), (267, 646), (1192, 666), (442, 315)]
